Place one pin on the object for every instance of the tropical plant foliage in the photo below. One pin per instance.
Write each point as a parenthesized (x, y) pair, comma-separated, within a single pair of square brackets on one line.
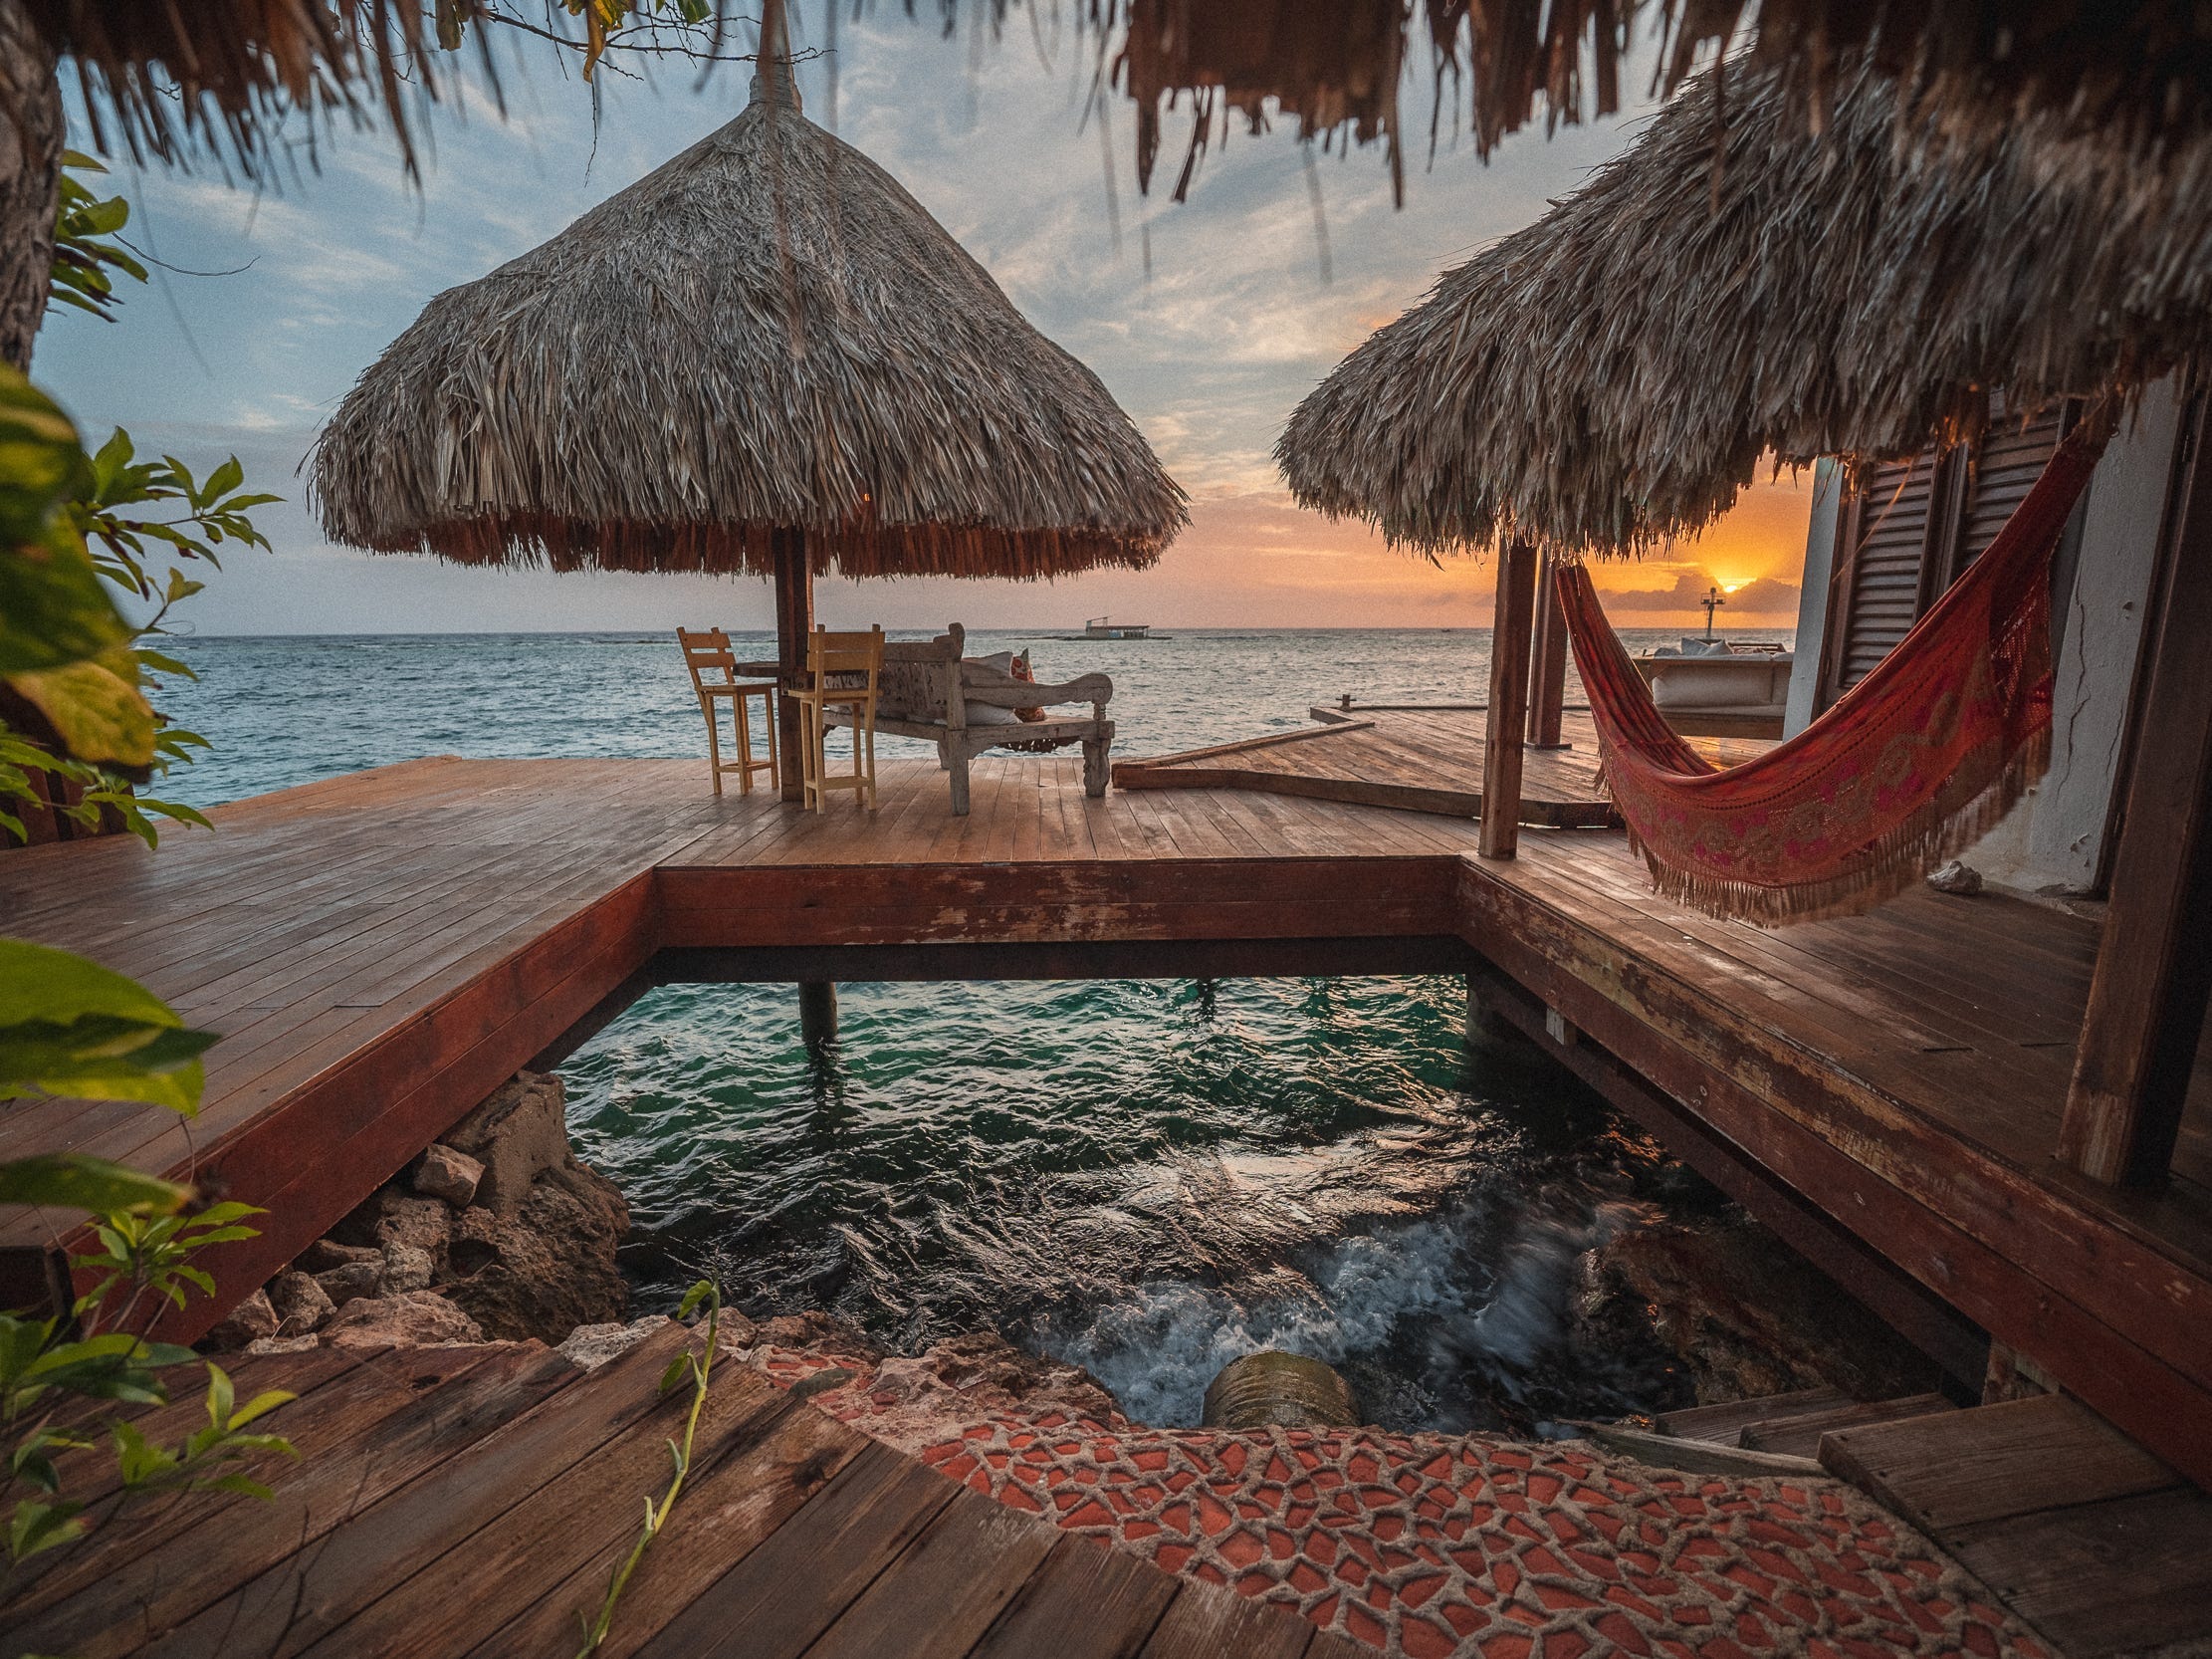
[(77, 529)]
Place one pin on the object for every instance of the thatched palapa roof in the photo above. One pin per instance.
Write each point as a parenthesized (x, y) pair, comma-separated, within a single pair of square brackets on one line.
[(1609, 377), (767, 333), (2138, 74)]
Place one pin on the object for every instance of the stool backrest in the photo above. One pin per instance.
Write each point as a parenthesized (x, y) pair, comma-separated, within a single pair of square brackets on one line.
[(845, 655), (706, 652)]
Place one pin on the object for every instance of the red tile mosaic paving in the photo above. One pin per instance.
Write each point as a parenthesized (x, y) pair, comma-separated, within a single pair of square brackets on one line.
[(1438, 1545)]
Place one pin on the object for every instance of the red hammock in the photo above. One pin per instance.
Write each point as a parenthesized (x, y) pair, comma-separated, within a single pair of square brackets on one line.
[(1912, 765)]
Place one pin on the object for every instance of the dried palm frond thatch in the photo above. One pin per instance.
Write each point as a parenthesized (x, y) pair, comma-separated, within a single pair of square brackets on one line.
[(765, 333), (1609, 379), (2139, 72)]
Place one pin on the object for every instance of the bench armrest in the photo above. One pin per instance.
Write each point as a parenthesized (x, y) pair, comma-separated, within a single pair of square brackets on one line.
[(1003, 691)]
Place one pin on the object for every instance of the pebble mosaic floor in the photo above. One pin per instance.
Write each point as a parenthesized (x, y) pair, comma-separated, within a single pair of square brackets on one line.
[(1438, 1546)]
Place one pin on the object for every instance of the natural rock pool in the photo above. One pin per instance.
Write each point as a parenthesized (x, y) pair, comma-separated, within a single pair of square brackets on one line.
[(1149, 1178)]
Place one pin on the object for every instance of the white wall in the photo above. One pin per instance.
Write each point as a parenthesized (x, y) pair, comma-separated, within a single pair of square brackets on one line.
[(1812, 596), (2053, 841)]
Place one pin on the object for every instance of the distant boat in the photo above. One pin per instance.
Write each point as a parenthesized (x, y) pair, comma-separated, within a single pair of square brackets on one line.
[(1099, 628), (1712, 688)]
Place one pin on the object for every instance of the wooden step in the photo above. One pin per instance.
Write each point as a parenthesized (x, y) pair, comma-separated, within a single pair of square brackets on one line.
[(1800, 1433), (1993, 1462), (1724, 1424), (2072, 1525)]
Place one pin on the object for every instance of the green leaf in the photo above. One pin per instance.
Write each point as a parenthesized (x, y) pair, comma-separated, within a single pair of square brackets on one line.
[(71, 1027), (35, 1527), (37, 982), (41, 463), (260, 1406), (98, 713), (221, 1214), (73, 1181)]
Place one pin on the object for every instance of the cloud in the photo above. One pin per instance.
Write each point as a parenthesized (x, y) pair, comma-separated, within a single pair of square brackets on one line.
[(1764, 597)]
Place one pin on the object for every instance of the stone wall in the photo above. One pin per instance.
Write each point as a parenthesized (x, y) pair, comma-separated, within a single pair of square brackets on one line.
[(496, 1233)]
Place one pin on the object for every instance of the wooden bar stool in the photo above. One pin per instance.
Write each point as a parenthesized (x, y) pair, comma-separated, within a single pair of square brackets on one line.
[(844, 673), (709, 653)]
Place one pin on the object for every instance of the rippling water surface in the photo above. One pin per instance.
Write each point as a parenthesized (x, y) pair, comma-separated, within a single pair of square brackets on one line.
[(285, 711), (1149, 1177)]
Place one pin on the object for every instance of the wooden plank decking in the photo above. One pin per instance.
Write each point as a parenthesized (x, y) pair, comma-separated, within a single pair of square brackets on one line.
[(1409, 758), (475, 1501), (382, 950), (2103, 1548)]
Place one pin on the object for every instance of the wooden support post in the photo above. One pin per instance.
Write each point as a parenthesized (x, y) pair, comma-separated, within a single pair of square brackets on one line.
[(1492, 1037), (1502, 740), (1547, 675), (795, 620), (818, 1012), (2147, 999)]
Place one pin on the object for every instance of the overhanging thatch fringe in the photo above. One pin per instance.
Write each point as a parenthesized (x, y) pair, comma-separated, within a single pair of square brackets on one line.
[(2134, 78), (1960, 814)]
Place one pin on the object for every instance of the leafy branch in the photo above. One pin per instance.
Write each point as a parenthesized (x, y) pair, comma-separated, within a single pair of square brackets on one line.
[(699, 1366), (83, 254), (77, 733)]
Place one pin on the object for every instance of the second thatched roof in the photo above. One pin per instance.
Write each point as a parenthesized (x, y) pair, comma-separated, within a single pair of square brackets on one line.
[(1609, 379), (767, 333)]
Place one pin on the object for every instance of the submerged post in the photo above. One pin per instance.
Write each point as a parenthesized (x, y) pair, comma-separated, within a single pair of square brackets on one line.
[(1502, 740), (795, 620), (1547, 677), (818, 1012)]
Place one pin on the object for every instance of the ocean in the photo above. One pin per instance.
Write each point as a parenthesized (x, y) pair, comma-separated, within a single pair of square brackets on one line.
[(1148, 1177)]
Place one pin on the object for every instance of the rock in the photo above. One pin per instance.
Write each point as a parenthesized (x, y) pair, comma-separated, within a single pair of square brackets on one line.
[(326, 1253), (453, 1176), (1956, 877), (592, 1345), (413, 1319), (404, 1267), (550, 1265), (825, 1334), (518, 1134), (825, 1381), (912, 1404), (475, 1241), (355, 1279), (301, 1304), (249, 1323), (421, 1224), (1746, 1316), (1272, 1389)]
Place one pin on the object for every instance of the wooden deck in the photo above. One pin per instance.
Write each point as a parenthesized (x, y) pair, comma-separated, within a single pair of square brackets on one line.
[(1420, 759), (382, 950), (2099, 1545), (477, 1501), (2081, 1532)]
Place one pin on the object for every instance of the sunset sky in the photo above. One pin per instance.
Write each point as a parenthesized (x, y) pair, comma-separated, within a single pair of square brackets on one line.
[(1209, 343)]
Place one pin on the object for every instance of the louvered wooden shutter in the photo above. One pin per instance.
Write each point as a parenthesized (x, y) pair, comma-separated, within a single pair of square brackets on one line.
[(1882, 598), (2004, 466), (1915, 528)]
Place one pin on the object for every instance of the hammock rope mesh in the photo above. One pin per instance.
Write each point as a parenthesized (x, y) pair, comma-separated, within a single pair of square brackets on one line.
[(1908, 768)]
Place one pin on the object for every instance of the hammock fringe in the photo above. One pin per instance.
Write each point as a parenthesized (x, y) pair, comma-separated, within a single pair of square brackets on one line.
[(1942, 829), (1911, 765)]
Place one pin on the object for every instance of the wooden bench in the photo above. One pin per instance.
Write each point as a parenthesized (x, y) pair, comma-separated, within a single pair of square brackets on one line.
[(934, 691)]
